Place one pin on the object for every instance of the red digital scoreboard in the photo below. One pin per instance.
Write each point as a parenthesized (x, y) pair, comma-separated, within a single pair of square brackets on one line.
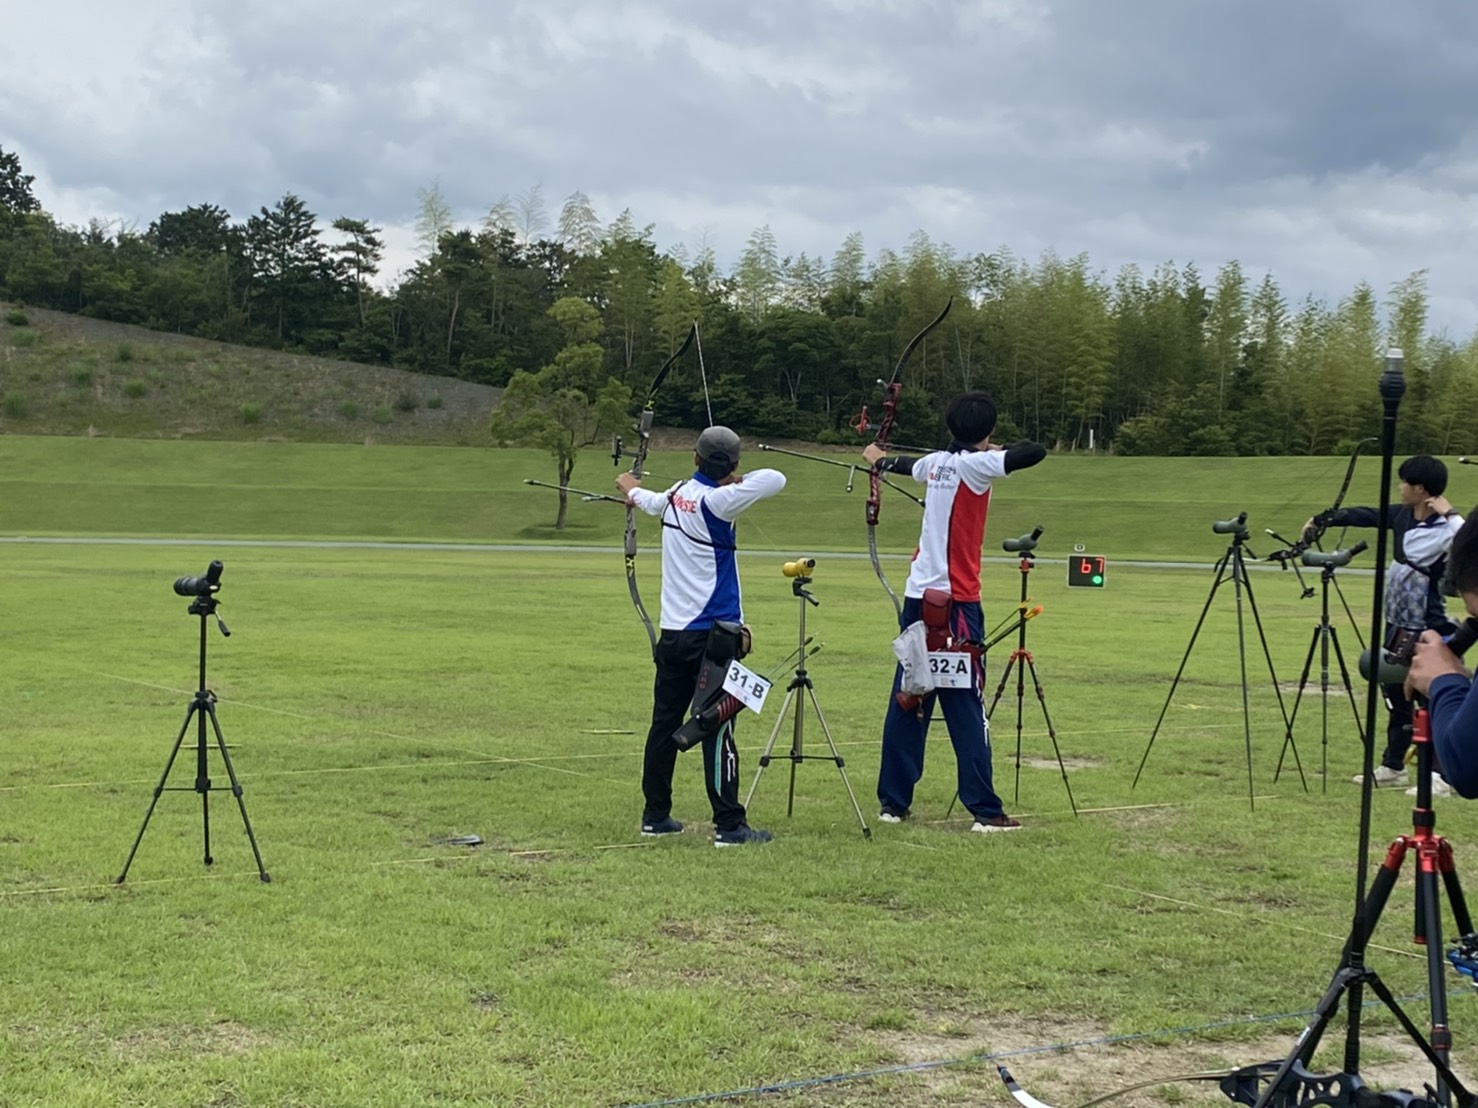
[(1086, 571)]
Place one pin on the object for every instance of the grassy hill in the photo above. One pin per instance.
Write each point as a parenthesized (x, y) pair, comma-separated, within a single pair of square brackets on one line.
[(64, 374)]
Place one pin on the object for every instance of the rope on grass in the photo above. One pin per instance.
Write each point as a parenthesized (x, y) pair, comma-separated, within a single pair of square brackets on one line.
[(994, 1056)]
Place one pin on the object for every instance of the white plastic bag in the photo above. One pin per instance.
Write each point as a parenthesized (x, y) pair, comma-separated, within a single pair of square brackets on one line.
[(911, 648)]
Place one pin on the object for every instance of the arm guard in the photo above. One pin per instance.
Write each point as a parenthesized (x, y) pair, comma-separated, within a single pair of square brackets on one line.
[(1024, 455)]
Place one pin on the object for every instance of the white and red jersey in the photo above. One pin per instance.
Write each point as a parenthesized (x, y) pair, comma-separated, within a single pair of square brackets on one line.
[(955, 506)]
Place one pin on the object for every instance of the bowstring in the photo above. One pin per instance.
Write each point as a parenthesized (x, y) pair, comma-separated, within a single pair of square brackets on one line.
[(703, 372)]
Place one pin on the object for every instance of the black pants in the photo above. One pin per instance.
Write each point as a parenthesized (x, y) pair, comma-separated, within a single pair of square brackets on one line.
[(679, 657), (1398, 727)]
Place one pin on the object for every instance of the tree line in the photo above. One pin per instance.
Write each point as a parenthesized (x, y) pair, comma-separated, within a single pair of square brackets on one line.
[(1169, 362)]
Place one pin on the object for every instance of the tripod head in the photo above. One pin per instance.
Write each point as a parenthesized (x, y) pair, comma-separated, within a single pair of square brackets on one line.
[(204, 606), (204, 589), (799, 572)]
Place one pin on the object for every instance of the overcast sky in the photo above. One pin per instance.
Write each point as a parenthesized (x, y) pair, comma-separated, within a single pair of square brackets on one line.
[(1324, 141)]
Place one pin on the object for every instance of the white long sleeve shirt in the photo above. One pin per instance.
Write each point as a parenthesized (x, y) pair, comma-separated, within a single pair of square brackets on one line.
[(700, 574)]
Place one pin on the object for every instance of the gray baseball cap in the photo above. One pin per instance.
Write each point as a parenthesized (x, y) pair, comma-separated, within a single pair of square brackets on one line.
[(718, 452)]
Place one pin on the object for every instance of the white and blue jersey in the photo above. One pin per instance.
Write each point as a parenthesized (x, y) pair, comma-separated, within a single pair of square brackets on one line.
[(700, 573)]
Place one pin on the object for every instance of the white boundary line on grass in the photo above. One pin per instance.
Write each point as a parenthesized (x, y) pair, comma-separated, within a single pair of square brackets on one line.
[(535, 548)]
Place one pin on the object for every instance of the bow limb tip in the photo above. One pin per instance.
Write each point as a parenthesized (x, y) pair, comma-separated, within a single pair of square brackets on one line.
[(1020, 1095)]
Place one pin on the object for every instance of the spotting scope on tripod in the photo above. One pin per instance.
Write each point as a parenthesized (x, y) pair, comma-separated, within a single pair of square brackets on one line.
[(1232, 566), (801, 689), (203, 589), (1325, 638)]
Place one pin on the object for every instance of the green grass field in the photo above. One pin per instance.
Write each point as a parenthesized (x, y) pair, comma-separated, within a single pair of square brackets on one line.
[(376, 700)]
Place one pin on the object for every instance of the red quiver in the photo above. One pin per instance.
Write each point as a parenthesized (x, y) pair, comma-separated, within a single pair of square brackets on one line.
[(935, 612)]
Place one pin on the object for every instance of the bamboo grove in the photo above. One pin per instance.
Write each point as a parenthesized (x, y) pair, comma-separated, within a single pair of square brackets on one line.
[(1166, 362)]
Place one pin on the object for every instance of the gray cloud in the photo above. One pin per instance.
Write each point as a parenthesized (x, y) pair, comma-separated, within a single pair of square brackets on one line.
[(1325, 141)]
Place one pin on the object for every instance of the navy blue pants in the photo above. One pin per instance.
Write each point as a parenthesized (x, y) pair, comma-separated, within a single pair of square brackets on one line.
[(964, 714)]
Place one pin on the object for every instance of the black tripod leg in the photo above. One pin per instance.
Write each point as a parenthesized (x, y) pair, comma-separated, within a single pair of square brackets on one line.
[(1020, 698), (840, 764), (1052, 734), (1359, 638), (770, 745), (1344, 673), (1430, 915), (1375, 904), (1272, 673), (1307, 1042), (1380, 892), (236, 792), (1239, 578), (797, 744), (1454, 891), (202, 773), (1000, 686), (159, 788), (1220, 571), (1446, 1079), (989, 715), (1303, 680)]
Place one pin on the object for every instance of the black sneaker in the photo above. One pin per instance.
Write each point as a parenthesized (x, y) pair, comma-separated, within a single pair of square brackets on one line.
[(665, 826), (743, 835)]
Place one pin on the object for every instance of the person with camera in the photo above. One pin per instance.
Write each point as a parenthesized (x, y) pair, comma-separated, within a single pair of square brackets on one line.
[(1422, 525), (700, 611), (947, 565), (1437, 673)]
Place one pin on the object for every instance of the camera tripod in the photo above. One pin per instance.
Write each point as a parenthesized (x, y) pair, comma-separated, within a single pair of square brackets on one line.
[(796, 692), (1325, 636), (202, 706), (1433, 860), (1234, 561), (1021, 660)]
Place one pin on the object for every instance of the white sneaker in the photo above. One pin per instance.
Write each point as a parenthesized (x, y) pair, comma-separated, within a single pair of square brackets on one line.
[(999, 823), (889, 817), (1385, 776), (1440, 787)]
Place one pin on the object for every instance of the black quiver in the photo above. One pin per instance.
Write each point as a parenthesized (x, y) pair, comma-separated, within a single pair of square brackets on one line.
[(712, 707)]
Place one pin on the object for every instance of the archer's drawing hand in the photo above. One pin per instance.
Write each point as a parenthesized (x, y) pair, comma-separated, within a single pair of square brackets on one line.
[(872, 453), (626, 482), (1439, 505)]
